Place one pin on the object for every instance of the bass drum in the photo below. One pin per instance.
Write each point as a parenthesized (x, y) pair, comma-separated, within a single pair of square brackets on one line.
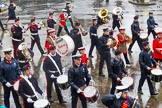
[(64, 45), (41, 103)]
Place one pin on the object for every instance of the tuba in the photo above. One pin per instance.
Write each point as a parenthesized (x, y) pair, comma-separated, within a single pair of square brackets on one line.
[(112, 41), (117, 11), (103, 14)]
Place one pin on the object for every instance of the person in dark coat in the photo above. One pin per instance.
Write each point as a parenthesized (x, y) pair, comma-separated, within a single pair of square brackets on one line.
[(78, 78), (76, 36), (151, 25), (11, 11), (9, 74), (146, 62), (93, 36), (52, 72), (28, 88), (118, 71), (50, 21), (68, 6), (104, 51), (135, 28), (120, 99)]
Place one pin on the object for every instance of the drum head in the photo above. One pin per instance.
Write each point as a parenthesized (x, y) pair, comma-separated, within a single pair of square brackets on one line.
[(127, 81), (156, 72), (89, 91), (143, 35), (62, 79), (64, 45), (41, 103)]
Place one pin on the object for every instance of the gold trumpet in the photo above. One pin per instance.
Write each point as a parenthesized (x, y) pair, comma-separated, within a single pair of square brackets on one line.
[(103, 14)]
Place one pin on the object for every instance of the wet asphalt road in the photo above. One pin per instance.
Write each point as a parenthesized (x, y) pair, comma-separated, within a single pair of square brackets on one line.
[(83, 11)]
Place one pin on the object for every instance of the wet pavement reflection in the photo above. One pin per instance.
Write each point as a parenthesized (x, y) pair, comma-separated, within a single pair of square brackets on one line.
[(83, 11)]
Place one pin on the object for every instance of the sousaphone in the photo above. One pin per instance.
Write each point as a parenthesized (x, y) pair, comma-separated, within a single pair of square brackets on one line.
[(103, 14), (117, 11)]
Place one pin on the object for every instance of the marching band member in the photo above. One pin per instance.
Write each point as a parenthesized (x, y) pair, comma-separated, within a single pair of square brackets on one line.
[(151, 25), (135, 34), (84, 59), (118, 70), (9, 73), (28, 88), (122, 43), (116, 21), (34, 27), (62, 22), (146, 62), (51, 37), (11, 11), (78, 78), (104, 51), (53, 68), (157, 43), (50, 21), (24, 55), (68, 6), (17, 35), (120, 99), (93, 36), (76, 36)]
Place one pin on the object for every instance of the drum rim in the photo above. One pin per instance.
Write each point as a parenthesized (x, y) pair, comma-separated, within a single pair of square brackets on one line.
[(153, 71)]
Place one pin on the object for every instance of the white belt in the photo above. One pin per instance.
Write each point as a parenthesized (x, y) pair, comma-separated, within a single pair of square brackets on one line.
[(29, 96), (16, 39), (22, 61), (93, 34), (49, 28), (52, 71), (34, 33), (69, 16)]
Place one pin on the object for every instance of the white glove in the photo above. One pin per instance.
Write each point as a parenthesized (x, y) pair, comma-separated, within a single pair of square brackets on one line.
[(52, 76), (118, 95), (92, 82), (79, 91), (29, 100), (8, 84)]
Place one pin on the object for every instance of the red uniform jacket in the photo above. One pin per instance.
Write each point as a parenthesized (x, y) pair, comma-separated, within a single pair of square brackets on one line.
[(62, 18), (120, 39), (157, 54)]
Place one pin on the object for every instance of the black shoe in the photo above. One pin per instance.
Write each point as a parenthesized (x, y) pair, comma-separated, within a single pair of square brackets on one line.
[(140, 92), (130, 51), (91, 56), (155, 93), (50, 100), (63, 102), (101, 74)]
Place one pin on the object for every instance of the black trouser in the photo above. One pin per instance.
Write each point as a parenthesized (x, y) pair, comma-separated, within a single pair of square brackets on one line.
[(36, 40), (134, 39), (75, 96), (71, 21), (116, 24), (29, 105), (50, 82), (60, 28), (1, 26), (93, 44), (77, 45), (153, 33), (105, 56), (145, 75), (15, 46), (114, 84), (7, 91)]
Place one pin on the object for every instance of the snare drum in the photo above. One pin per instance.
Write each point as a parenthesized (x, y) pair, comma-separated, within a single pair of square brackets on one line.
[(127, 81), (143, 36), (64, 45), (62, 82), (41, 103), (156, 75), (91, 93)]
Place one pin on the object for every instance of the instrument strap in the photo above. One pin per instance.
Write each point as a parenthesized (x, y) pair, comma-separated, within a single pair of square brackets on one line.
[(53, 61), (32, 87)]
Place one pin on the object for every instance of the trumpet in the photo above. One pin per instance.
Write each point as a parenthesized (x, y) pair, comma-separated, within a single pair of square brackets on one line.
[(42, 24), (84, 33), (111, 42)]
